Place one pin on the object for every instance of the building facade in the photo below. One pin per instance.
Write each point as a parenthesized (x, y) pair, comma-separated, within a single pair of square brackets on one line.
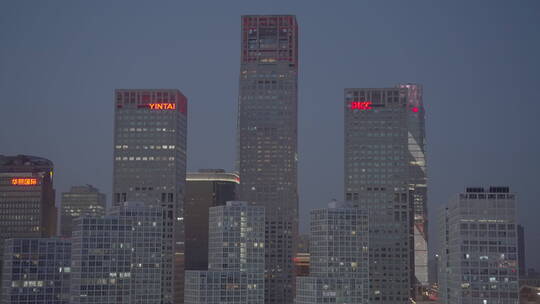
[(301, 259), (80, 200), (36, 271), (268, 139), (204, 189), (236, 258), (385, 175), (27, 208), (521, 251), (479, 262), (118, 258), (339, 257), (150, 166)]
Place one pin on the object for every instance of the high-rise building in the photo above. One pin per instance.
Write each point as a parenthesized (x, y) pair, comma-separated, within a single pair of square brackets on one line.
[(204, 189), (385, 174), (27, 207), (268, 139), (36, 270), (479, 262), (150, 166), (521, 250), (339, 257), (80, 200), (236, 258), (118, 258)]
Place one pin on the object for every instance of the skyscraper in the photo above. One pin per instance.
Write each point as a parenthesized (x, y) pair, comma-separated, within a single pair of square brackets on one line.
[(150, 166), (236, 258), (267, 139), (80, 200), (479, 262), (36, 271), (117, 258), (339, 257), (26, 198), (385, 174), (204, 189)]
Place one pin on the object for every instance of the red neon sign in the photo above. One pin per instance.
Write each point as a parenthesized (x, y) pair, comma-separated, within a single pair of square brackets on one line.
[(162, 106), (361, 105), (415, 109), (24, 181)]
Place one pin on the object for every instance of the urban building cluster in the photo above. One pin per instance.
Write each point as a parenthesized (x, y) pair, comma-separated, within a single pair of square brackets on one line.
[(232, 237)]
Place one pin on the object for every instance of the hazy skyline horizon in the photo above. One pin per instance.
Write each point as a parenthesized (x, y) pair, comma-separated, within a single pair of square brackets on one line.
[(478, 63)]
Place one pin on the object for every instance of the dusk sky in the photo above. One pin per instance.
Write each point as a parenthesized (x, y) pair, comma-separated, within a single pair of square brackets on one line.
[(479, 63)]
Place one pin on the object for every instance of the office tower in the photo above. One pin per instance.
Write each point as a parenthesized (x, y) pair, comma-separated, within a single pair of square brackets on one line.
[(301, 259), (385, 174), (417, 183), (521, 250), (80, 200), (204, 189), (339, 257), (118, 258), (236, 258), (26, 198), (150, 166), (479, 262), (267, 139), (36, 270)]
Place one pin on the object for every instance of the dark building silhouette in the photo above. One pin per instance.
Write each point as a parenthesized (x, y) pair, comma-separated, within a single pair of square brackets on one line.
[(433, 269), (80, 200), (204, 189), (26, 198)]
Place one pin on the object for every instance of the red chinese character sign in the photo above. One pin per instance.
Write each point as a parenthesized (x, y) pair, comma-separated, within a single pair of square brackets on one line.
[(361, 105), (24, 181)]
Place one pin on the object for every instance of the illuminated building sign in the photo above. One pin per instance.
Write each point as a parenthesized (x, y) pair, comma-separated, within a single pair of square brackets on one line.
[(415, 109), (162, 106), (361, 105), (24, 181), (158, 106)]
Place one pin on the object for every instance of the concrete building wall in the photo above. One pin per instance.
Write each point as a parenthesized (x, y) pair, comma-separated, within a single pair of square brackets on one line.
[(80, 200)]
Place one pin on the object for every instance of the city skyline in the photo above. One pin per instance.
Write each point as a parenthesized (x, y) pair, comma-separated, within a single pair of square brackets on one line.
[(471, 139)]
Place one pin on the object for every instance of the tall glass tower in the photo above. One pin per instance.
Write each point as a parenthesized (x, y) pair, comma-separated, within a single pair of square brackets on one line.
[(385, 174), (267, 140), (150, 166)]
